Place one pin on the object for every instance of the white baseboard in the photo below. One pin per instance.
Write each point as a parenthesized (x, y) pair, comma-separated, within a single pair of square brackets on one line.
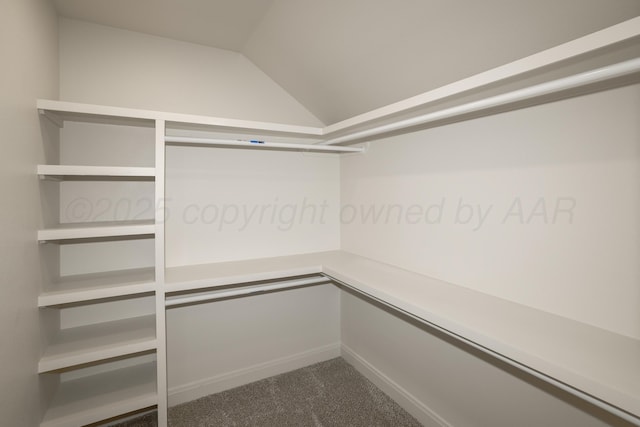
[(204, 387), (131, 417), (409, 402)]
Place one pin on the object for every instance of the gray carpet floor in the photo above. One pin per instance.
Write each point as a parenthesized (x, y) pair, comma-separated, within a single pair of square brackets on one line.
[(330, 393)]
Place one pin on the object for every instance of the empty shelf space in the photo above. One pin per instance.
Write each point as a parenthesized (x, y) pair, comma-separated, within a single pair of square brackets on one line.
[(98, 397), (91, 343), (62, 172), (87, 287), (90, 230)]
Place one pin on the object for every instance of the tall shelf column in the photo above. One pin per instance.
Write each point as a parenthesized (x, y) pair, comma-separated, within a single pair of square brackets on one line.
[(97, 244), (160, 218)]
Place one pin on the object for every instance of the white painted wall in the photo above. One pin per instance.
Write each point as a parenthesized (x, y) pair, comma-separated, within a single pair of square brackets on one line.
[(344, 58), (29, 49), (108, 66), (226, 205), (573, 168), (216, 346)]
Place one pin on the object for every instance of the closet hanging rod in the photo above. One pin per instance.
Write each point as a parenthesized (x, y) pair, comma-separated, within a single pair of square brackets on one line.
[(244, 291), (571, 82), (260, 144), (627, 416)]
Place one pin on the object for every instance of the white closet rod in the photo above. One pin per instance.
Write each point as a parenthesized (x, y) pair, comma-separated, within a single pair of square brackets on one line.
[(571, 82), (260, 144), (215, 295)]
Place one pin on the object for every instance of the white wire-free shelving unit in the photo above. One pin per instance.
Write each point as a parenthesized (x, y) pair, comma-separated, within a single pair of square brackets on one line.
[(598, 366)]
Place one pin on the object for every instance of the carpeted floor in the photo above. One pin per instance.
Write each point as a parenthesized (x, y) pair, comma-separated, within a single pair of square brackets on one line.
[(330, 393)]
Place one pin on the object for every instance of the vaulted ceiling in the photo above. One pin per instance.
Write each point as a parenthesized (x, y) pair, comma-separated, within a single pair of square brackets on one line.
[(340, 58), (225, 24)]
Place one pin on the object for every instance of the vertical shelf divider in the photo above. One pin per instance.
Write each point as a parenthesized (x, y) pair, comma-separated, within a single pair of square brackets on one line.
[(161, 334)]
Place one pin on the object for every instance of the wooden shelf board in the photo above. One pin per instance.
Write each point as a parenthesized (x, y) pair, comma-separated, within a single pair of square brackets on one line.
[(194, 277), (77, 171), (62, 111), (586, 358), (591, 44), (597, 362), (102, 396), (89, 287), (89, 230), (91, 343)]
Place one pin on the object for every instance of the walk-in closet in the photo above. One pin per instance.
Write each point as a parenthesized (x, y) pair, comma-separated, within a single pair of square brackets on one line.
[(345, 212)]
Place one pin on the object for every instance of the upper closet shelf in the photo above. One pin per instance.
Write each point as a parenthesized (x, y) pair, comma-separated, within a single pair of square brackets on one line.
[(194, 277), (90, 230), (601, 60), (599, 366), (599, 50), (62, 172), (509, 100), (61, 111)]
